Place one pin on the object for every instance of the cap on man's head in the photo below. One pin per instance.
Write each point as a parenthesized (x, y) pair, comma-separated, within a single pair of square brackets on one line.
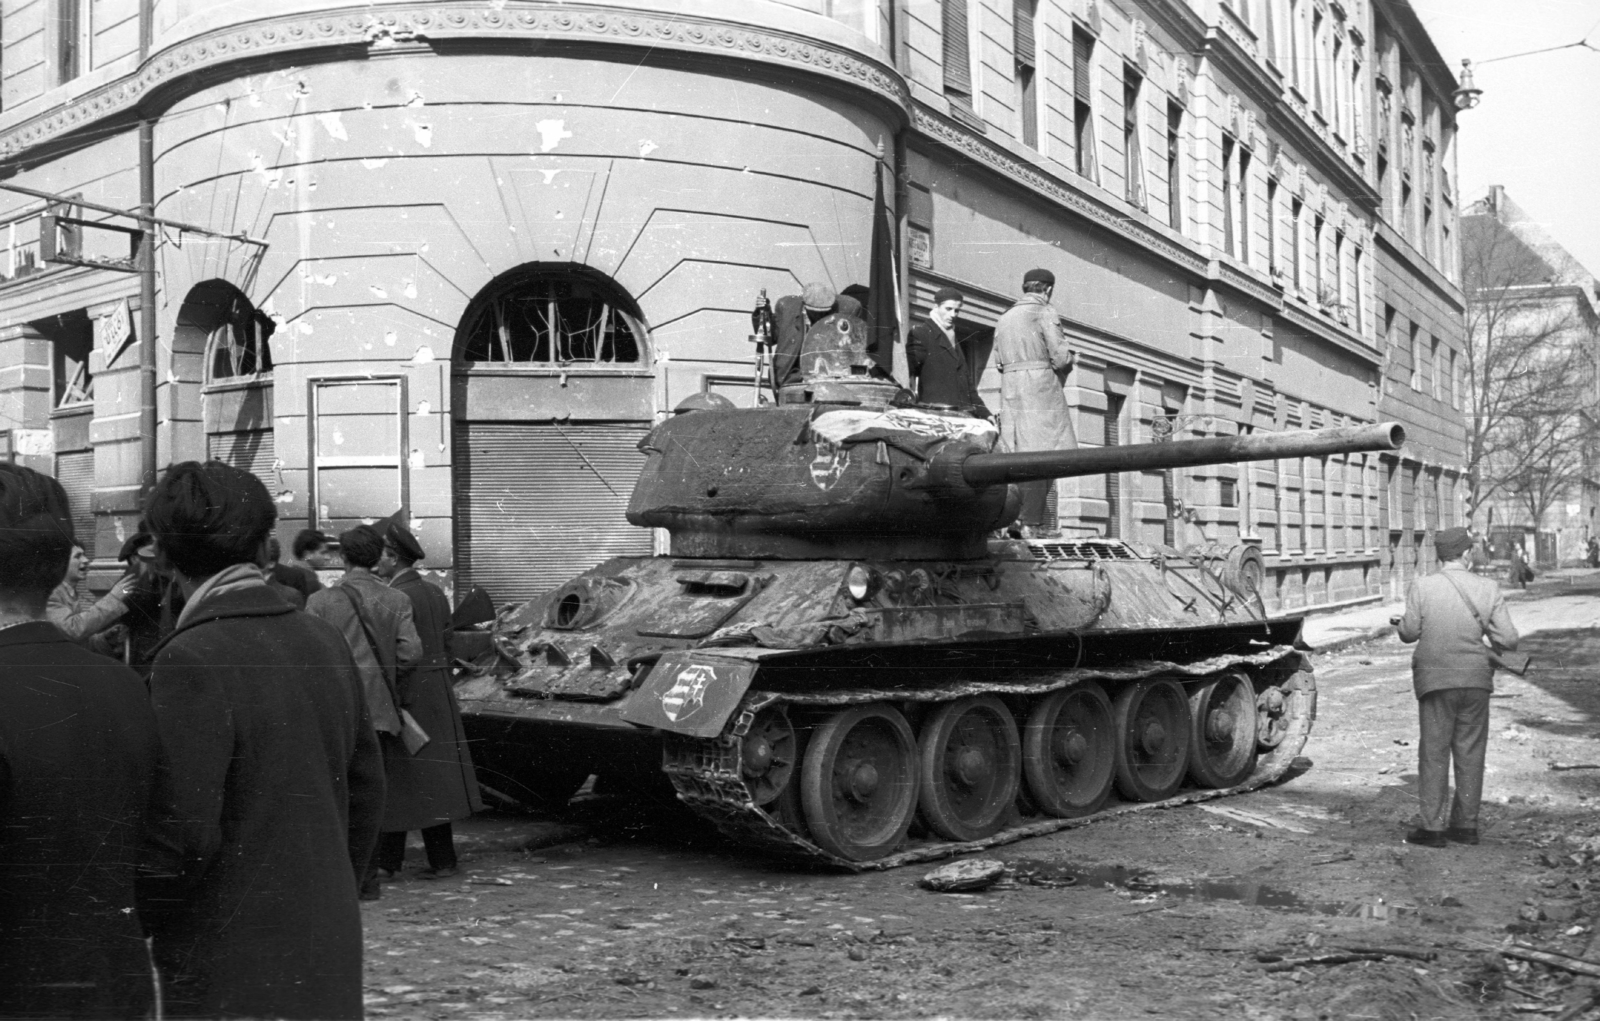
[(1450, 543), (945, 294), (405, 544), (819, 298), (1039, 276)]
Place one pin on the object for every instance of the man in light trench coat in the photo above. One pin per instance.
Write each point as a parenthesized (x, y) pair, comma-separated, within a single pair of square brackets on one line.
[(1032, 355)]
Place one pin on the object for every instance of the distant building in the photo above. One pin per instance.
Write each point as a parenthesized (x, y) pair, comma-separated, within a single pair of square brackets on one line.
[(503, 238), (1531, 293)]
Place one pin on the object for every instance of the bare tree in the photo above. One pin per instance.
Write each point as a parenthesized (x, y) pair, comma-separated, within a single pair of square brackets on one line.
[(1529, 372)]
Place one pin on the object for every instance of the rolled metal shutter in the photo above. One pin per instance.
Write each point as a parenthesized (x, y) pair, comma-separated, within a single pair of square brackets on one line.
[(254, 450), (537, 504), (75, 472)]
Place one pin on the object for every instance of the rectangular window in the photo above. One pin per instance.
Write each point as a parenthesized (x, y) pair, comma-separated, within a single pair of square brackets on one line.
[(1414, 347), (1132, 84), (1340, 294), (1296, 70), (1435, 369), (69, 42), (1359, 289), (1082, 105), (1297, 211), (1228, 235), (358, 440), (1026, 59), (1340, 108), (957, 64), (1272, 221), (1112, 437), (1175, 166), (1270, 30), (1243, 185), (1317, 75), (1318, 277)]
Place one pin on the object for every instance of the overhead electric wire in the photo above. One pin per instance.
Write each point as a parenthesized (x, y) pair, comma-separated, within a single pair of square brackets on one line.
[(1582, 42)]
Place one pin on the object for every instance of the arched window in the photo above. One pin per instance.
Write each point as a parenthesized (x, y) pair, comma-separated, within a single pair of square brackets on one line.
[(240, 343), (220, 330), (552, 315)]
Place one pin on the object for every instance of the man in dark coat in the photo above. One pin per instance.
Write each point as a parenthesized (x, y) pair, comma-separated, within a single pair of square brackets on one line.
[(79, 756), (792, 316), (275, 768), (436, 786), (938, 363)]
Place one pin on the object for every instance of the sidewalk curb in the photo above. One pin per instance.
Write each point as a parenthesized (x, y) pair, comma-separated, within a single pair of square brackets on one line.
[(1343, 642)]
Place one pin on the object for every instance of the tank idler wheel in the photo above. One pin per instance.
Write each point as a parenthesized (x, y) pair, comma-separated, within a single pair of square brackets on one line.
[(1069, 751), (768, 753), (1272, 718), (969, 759), (858, 782), (1222, 737), (1152, 721)]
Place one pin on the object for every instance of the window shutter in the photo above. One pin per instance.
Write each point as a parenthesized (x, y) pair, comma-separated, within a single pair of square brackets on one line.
[(957, 69), (1082, 49), (1023, 28)]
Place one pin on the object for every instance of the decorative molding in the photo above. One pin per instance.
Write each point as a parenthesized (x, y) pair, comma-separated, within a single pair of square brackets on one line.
[(938, 129), (1323, 329), (1247, 284), (386, 26)]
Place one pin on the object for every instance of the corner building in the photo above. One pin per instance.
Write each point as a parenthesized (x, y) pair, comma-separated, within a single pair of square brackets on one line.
[(464, 254)]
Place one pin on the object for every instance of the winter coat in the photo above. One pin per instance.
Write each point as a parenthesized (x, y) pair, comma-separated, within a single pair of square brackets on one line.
[(1450, 650), (388, 613), (1033, 358), (940, 366), (436, 784), (278, 784), (78, 765)]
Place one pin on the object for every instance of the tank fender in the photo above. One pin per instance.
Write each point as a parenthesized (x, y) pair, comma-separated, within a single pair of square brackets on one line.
[(689, 692)]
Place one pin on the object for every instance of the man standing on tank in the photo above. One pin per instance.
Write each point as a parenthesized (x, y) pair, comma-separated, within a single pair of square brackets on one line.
[(436, 786), (1032, 355), (1448, 613), (937, 361), (792, 316)]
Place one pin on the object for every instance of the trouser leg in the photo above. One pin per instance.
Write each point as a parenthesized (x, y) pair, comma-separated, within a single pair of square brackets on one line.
[(1035, 501), (1437, 725), (1468, 746), (440, 842), (391, 851)]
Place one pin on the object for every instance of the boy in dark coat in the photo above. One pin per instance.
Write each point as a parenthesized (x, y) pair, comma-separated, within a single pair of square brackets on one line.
[(436, 786), (938, 362), (78, 786), (275, 767)]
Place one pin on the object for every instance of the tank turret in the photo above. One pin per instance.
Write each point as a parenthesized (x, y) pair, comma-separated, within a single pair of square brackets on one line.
[(835, 480)]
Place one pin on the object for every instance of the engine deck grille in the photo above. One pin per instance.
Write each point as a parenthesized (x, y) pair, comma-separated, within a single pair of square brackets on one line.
[(1088, 549)]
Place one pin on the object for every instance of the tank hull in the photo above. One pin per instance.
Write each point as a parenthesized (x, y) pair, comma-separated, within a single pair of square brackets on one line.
[(669, 662)]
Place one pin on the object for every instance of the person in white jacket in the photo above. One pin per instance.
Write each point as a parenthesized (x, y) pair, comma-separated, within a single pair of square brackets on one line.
[(62, 609)]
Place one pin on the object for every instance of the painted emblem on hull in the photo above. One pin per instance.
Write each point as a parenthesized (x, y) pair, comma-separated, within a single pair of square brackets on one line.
[(828, 466), (688, 692)]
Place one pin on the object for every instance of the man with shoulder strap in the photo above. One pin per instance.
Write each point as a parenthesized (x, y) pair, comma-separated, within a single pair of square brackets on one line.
[(1032, 355), (1448, 614)]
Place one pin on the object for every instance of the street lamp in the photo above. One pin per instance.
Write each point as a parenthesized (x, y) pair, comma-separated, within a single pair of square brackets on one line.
[(1467, 95)]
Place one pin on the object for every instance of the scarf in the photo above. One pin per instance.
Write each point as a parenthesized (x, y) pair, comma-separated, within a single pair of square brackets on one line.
[(234, 578)]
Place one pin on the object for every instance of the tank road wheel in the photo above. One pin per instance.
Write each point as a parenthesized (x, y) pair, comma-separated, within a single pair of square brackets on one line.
[(968, 766), (1069, 751), (1152, 720), (1272, 718), (1222, 735), (768, 755), (858, 782)]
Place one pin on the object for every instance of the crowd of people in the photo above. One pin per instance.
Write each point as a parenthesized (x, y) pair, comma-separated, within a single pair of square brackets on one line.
[(203, 771)]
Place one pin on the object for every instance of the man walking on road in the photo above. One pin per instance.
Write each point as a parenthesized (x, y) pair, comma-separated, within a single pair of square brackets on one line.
[(1448, 614), (1032, 355)]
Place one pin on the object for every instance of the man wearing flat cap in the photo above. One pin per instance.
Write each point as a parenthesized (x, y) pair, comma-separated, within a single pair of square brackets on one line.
[(937, 361), (1033, 358), (1448, 614), (436, 786), (792, 316)]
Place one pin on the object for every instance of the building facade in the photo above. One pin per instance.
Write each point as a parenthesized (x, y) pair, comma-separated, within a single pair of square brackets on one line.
[(457, 257)]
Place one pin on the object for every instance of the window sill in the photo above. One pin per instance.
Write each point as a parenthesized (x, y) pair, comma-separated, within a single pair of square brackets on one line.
[(966, 116)]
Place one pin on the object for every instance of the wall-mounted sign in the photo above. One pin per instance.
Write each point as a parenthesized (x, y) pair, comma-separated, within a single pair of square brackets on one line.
[(118, 331)]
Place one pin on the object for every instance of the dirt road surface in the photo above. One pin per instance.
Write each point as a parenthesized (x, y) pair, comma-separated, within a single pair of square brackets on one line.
[(1194, 912)]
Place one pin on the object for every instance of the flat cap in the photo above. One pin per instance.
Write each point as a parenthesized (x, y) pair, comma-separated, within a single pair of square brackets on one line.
[(404, 543), (819, 297), (1039, 276), (945, 294), (1450, 543)]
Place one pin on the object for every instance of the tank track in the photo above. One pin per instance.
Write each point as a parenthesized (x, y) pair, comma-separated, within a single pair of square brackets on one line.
[(707, 775)]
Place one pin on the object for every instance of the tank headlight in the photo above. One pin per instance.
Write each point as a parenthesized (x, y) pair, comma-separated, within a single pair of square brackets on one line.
[(858, 583)]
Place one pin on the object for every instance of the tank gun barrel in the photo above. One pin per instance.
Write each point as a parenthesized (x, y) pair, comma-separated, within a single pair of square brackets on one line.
[(1033, 465)]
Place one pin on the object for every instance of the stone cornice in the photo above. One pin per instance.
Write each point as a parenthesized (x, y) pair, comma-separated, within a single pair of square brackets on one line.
[(934, 127), (381, 26), (1336, 336), (1397, 247)]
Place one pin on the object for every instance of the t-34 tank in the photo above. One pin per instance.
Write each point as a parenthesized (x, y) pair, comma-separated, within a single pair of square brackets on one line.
[(838, 661)]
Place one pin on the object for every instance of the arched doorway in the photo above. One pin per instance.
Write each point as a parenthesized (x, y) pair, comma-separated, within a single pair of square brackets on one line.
[(551, 392), (219, 327)]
